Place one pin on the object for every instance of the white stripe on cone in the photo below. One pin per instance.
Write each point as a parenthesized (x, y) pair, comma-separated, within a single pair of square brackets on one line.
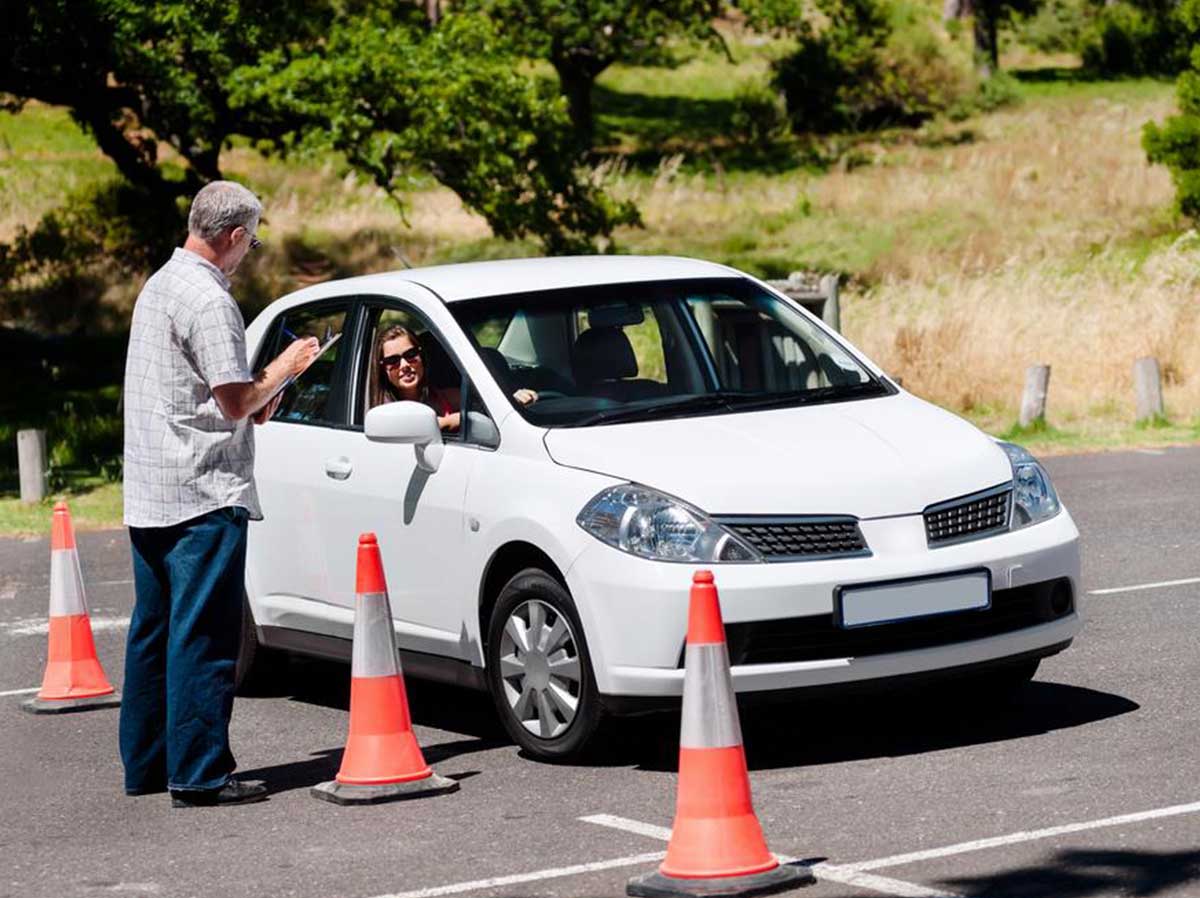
[(710, 715), (66, 584), (374, 639)]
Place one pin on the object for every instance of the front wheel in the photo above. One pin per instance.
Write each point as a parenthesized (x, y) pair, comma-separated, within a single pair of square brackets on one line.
[(259, 669), (538, 669)]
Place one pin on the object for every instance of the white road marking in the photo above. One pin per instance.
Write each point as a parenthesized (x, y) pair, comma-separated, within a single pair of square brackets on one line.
[(40, 626), (1029, 836), (1159, 585), (552, 873), (845, 874), (20, 691)]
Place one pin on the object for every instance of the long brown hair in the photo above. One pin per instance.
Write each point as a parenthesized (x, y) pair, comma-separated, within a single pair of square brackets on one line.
[(381, 389)]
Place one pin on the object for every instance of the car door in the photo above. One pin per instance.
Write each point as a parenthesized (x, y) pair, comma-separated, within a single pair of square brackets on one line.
[(418, 517), (298, 454)]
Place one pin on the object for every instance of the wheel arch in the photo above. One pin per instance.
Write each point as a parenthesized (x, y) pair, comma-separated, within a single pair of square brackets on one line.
[(506, 561)]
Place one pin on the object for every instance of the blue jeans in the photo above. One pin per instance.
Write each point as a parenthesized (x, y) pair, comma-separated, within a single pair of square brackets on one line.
[(181, 653)]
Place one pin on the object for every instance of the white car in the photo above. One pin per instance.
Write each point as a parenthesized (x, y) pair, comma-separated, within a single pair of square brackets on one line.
[(687, 417)]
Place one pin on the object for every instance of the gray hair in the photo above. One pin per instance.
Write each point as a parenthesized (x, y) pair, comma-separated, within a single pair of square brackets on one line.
[(222, 206)]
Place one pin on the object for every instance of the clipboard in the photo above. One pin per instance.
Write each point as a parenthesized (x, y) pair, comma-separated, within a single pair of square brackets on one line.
[(329, 341)]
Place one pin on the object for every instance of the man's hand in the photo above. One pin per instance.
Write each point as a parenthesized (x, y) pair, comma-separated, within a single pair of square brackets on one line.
[(299, 355)]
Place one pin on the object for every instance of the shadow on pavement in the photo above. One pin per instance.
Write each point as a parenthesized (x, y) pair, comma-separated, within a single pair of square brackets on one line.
[(1078, 873), (785, 734)]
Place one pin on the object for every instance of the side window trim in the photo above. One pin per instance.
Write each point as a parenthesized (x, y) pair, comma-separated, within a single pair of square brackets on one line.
[(371, 308)]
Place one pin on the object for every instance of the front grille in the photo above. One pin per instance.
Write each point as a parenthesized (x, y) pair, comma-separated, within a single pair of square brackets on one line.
[(799, 538), (968, 517), (817, 637)]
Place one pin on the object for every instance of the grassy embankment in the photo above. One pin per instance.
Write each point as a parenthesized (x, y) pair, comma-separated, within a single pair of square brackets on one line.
[(1037, 233)]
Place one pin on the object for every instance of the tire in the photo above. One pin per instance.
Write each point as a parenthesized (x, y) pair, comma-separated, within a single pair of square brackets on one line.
[(547, 700), (259, 668)]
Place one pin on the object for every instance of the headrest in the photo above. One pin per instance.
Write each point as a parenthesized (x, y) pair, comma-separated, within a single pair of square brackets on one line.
[(496, 363), (440, 371), (604, 353)]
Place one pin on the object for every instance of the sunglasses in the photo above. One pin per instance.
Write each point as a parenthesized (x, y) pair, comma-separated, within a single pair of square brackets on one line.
[(255, 243), (409, 355)]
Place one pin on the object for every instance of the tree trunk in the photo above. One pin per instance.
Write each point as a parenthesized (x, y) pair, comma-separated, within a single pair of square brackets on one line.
[(956, 9), (576, 83), (987, 46), (433, 11)]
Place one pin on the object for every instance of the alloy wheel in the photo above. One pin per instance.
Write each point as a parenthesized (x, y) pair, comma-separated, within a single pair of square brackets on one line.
[(540, 668)]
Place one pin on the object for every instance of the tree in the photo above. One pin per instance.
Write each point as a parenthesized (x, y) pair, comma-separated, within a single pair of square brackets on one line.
[(139, 72), (987, 15), (395, 101), (582, 38), (1176, 144)]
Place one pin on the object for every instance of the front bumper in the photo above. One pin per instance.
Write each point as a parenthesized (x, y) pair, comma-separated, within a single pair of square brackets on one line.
[(634, 612)]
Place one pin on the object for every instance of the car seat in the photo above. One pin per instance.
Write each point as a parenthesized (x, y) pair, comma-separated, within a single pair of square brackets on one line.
[(605, 365)]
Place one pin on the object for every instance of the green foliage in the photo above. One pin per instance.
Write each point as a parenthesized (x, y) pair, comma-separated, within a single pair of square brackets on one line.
[(1056, 26), (1147, 37), (759, 115), (869, 64), (582, 39), (1176, 143), (396, 99)]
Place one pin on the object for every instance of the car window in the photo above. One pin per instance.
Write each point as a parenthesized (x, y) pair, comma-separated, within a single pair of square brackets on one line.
[(613, 353), (439, 381), (313, 398)]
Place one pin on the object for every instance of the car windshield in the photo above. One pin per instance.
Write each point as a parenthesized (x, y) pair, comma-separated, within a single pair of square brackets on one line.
[(648, 351)]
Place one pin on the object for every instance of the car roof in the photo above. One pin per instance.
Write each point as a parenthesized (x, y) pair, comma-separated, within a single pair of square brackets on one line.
[(477, 280)]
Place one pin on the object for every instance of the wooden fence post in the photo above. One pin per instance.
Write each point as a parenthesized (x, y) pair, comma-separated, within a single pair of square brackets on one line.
[(1147, 389), (831, 314), (1033, 400), (31, 464)]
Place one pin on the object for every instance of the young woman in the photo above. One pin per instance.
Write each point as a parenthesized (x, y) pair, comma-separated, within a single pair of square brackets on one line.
[(401, 375)]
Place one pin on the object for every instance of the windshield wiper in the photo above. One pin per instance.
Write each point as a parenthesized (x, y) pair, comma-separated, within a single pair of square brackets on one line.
[(815, 396), (700, 402)]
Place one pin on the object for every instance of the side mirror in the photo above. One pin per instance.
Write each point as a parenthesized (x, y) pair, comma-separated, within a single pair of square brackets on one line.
[(408, 422)]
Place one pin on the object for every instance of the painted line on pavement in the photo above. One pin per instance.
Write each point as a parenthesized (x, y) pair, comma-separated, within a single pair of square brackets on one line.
[(20, 691), (1029, 836), (846, 875), (517, 878), (1140, 586)]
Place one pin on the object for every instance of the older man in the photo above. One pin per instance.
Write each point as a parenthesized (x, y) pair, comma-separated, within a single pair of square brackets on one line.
[(190, 400)]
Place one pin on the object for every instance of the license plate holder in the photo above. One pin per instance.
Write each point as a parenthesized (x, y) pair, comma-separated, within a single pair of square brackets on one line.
[(891, 601)]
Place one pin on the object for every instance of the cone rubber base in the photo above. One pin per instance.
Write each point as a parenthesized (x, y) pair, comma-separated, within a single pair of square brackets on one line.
[(67, 705), (780, 879), (346, 793)]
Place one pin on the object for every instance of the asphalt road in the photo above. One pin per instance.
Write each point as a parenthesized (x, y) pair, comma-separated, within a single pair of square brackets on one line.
[(1085, 785)]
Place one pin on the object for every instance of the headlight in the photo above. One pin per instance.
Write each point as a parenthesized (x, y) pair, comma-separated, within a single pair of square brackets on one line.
[(650, 524), (1034, 498)]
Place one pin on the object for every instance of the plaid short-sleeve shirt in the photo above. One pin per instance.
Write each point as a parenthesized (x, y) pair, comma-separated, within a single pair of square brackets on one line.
[(183, 457)]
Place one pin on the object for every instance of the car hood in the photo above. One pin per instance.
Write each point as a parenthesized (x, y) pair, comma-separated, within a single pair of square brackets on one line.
[(870, 458)]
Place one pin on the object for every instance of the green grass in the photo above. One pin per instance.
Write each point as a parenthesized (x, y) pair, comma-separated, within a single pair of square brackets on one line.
[(94, 505)]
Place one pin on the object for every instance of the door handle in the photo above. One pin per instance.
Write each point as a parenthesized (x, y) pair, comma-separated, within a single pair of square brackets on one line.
[(338, 468)]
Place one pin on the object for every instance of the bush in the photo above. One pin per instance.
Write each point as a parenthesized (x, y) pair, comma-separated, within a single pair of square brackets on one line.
[(759, 116), (1138, 39), (871, 64), (1057, 26)]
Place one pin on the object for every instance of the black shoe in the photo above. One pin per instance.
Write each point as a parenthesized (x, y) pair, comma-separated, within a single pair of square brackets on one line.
[(233, 792)]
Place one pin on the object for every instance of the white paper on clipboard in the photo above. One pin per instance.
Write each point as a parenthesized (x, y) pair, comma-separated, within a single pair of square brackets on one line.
[(320, 352)]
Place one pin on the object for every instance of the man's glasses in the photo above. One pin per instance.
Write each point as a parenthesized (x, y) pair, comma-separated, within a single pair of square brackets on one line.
[(409, 355), (255, 243)]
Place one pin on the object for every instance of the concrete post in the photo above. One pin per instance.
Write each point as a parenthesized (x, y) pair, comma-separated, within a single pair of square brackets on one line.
[(1147, 389), (31, 464), (831, 314), (1033, 400)]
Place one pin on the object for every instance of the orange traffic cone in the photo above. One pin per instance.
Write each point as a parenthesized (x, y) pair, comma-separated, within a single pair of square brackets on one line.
[(382, 761), (74, 679), (717, 845)]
